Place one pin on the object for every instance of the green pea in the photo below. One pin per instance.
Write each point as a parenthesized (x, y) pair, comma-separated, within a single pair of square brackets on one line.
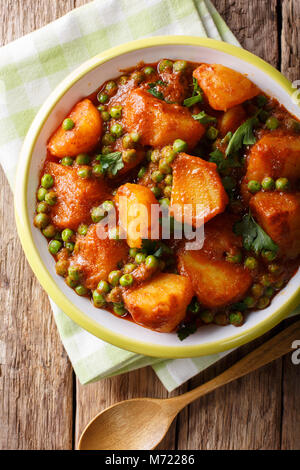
[(269, 292), (156, 191), (83, 159), (81, 290), (263, 302), (102, 107), (148, 70), (294, 125), (254, 186), (141, 172), (119, 309), (257, 290), (138, 76), (165, 202), (49, 231), (97, 214), (123, 80), (168, 180), (128, 268), (168, 191), (103, 287), (151, 262), (234, 258), (102, 97), (84, 173), (82, 229), (43, 208), (108, 206), (179, 66), (207, 316), (114, 277), (155, 156), (51, 198), (74, 273), (157, 176), (251, 263), (179, 146), (129, 156), (127, 142), (71, 282), (249, 301), (236, 318), (135, 137), (98, 170), (116, 129), (67, 161), (168, 154), (69, 246), (99, 299), (279, 284), (114, 233), (54, 246), (41, 220), (68, 124), (126, 280), (133, 252), (165, 65), (282, 184), (47, 181), (41, 194), (212, 133), (269, 255), (140, 258), (67, 234), (164, 167), (272, 123), (274, 268), (266, 280), (111, 86), (221, 319), (268, 184), (261, 101), (61, 267), (105, 116), (116, 112)]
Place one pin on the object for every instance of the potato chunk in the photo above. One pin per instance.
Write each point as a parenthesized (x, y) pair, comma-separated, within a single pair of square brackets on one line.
[(96, 258), (159, 123), (75, 196), (279, 215), (232, 119), (275, 156), (83, 137), (197, 182), (224, 87), (134, 204), (160, 304), (216, 282)]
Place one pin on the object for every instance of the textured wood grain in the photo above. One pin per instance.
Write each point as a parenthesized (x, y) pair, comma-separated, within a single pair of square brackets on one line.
[(290, 36), (36, 376)]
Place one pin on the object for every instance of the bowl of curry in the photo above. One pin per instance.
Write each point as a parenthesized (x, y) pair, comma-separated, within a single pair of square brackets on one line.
[(158, 197)]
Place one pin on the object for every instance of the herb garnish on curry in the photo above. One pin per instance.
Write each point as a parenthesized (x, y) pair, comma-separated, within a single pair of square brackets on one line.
[(172, 135)]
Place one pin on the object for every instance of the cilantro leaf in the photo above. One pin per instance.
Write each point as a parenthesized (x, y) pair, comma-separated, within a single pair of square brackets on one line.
[(111, 162), (222, 161), (186, 331), (154, 91), (242, 136), (254, 237), (204, 118), (196, 96)]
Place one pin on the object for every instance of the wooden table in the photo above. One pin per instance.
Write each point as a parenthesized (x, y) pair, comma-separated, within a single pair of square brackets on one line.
[(42, 405)]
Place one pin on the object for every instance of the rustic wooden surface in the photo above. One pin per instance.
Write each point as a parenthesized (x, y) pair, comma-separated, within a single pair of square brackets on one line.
[(42, 406)]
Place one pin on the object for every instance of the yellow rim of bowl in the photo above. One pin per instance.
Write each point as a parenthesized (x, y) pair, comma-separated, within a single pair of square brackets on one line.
[(23, 223)]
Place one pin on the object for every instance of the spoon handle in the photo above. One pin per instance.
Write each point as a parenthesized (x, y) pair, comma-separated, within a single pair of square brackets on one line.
[(274, 348)]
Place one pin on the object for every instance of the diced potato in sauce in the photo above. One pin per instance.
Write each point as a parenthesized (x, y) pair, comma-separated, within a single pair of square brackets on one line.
[(224, 87), (75, 196), (158, 122), (279, 215), (160, 304), (216, 282), (83, 137), (134, 204), (232, 119), (96, 257), (197, 182)]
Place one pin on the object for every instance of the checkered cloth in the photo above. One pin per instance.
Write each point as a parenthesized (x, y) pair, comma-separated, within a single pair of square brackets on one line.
[(31, 67)]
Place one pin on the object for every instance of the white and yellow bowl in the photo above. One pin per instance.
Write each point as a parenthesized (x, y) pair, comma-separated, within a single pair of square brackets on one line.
[(80, 83)]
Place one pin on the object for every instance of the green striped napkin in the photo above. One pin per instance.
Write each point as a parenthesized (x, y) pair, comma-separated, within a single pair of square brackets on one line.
[(31, 67)]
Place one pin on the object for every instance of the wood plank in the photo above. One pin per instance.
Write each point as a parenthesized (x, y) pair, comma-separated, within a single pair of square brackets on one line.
[(290, 67), (36, 376)]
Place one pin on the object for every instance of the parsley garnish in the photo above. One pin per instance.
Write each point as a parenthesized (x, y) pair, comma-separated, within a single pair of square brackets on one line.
[(222, 162), (254, 237), (196, 97), (111, 162), (186, 331), (154, 91), (204, 118), (242, 136), (156, 248)]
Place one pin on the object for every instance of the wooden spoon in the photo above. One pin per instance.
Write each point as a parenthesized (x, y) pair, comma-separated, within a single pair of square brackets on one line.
[(141, 423)]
